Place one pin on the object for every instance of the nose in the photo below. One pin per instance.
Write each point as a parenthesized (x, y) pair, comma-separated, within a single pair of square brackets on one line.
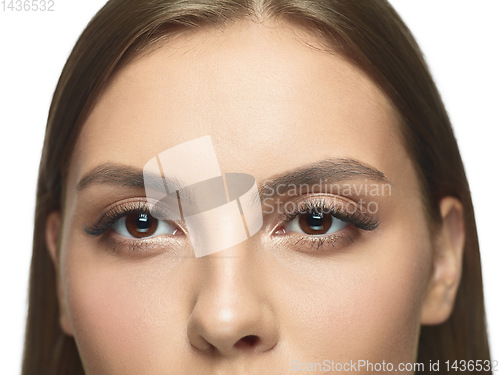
[(231, 314)]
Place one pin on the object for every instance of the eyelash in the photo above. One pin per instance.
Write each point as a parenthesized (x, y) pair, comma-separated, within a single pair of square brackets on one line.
[(103, 228), (108, 218), (360, 220)]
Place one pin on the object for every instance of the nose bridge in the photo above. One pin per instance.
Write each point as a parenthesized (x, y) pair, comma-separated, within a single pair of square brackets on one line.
[(230, 313)]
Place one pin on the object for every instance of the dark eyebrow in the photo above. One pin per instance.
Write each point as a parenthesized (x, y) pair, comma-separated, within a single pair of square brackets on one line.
[(115, 174), (332, 170), (127, 176)]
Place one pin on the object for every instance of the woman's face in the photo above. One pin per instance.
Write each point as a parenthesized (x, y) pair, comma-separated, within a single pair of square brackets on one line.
[(304, 289)]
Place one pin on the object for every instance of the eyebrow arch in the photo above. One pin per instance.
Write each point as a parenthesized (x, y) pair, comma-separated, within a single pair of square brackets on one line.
[(127, 176), (331, 169), (113, 174)]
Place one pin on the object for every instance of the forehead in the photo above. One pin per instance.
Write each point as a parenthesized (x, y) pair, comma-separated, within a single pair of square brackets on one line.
[(268, 96)]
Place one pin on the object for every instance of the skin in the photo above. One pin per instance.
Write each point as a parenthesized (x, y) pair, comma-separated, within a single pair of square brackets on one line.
[(271, 104)]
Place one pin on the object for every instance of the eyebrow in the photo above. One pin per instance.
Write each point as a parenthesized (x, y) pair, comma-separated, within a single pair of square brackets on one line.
[(112, 174), (331, 169)]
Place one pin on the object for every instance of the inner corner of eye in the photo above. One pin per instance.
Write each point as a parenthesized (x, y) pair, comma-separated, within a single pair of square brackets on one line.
[(280, 230)]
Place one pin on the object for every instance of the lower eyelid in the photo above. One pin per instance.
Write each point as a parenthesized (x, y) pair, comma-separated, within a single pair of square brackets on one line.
[(144, 246), (319, 244)]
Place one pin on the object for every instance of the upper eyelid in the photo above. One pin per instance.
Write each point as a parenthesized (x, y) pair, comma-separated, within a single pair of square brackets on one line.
[(112, 213), (133, 238), (117, 210), (361, 220), (319, 201), (128, 205)]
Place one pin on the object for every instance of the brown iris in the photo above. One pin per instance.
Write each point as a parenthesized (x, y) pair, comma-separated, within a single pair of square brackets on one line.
[(141, 225), (315, 222)]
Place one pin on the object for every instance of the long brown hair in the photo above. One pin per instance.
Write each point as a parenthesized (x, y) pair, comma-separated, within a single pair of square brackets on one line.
[(367, 32)]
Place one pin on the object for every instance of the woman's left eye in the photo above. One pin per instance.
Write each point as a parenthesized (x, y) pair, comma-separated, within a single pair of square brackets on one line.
[(142, 225), (315, 223)]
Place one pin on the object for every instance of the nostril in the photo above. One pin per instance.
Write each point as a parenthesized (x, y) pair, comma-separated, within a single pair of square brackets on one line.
[(247, 342)]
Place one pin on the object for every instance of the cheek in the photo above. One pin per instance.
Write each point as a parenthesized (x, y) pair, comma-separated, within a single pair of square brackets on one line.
[(366, 303), (124, 316), (387, 303), (388, 288)]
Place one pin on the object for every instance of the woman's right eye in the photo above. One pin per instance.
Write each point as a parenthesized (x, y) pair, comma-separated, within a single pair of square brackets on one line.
[(142, 225), (316, 223)]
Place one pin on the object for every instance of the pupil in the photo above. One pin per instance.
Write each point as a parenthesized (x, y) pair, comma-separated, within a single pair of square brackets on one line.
[(315, 220), (315, 223), (141, 225), (143, 222)]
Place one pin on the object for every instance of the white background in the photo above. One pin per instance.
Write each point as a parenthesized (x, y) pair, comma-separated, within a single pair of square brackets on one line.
[(460, 40)]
